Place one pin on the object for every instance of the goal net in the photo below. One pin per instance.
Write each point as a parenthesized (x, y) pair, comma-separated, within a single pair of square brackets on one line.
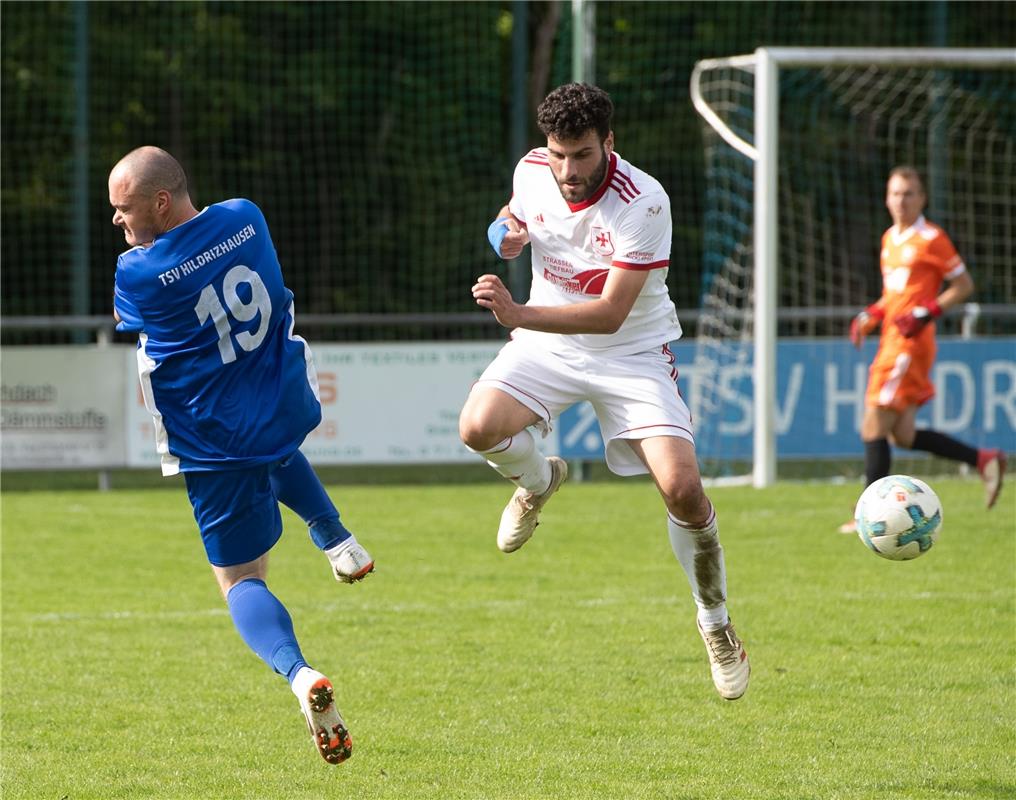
[(798, 146)]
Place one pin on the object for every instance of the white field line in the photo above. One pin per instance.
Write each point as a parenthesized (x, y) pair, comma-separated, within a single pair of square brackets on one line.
[(371, 608), (491, 605), (77, 616)]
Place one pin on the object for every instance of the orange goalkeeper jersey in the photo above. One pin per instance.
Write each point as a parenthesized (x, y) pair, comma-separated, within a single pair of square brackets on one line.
[(914, 264)]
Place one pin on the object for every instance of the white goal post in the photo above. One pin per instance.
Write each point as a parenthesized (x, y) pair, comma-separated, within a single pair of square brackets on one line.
[(760, 122)]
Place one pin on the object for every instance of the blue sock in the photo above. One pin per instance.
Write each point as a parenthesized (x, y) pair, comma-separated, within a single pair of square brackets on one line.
[(265, 625), (326, 533), (298, 487)]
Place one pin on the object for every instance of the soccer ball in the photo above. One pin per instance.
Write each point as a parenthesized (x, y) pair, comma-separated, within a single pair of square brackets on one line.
[(899, 517)]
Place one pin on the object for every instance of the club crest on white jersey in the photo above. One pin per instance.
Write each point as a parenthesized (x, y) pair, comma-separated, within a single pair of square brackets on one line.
[(601, 241), (624, 224)]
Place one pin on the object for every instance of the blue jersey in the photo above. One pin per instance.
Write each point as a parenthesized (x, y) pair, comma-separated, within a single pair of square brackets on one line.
[(228, 383)]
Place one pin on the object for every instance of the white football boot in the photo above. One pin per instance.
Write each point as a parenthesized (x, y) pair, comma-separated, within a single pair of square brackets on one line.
[(521, 515), (327, 730), (350, 562), (728, 661)]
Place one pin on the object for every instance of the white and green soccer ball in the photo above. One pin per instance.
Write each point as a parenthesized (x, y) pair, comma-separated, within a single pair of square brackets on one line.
[(899, 517)]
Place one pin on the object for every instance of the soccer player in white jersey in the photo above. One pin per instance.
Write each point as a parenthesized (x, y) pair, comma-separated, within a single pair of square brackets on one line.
[(233, 392), (596, 327)]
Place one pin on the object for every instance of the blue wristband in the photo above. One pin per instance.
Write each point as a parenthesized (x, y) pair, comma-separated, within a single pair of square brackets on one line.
[(496, 232)]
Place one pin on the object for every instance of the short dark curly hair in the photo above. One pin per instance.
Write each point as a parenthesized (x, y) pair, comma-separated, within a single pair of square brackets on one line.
[(572, 110)]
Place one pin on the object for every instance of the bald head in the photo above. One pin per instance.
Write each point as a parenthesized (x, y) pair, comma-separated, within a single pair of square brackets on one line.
[(149, 169), (148, 190)]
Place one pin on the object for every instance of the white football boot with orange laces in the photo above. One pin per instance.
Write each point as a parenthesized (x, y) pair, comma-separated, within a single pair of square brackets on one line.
[(327, 730), (350, 562)]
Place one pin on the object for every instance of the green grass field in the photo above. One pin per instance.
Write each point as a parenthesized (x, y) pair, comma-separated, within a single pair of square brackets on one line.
[(571, 669)]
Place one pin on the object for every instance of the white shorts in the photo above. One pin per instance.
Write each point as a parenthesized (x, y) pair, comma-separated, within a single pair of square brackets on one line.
[(635, 396)]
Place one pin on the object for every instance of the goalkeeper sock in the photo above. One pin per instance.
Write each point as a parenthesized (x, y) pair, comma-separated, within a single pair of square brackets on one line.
[(877, 460), (298, 487), (518, 459), (265, 625), (941, 445), (700, 554)]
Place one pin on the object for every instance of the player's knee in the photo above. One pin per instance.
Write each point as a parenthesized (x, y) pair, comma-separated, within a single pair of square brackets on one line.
[(476, 435), (230, 577), (228, 582), (685, 500)]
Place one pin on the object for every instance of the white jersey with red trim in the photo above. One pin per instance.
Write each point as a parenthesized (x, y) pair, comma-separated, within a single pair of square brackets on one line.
[(624, 225)]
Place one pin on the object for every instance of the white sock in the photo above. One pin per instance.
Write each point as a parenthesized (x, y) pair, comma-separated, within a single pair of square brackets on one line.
[(699, 551), (518, 459)]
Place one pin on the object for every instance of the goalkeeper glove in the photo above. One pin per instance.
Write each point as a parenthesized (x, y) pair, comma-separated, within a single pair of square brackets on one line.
[(496, 232), (913, 322), (864, 323)]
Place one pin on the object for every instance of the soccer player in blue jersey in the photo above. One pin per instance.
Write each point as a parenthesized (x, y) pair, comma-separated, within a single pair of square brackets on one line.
[(233, 393)]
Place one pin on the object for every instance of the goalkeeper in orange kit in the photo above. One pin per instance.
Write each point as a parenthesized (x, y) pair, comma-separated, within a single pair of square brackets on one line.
[(917, 257)]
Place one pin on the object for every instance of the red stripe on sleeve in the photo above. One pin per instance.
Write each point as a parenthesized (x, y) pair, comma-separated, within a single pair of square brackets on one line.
[(651, 265)]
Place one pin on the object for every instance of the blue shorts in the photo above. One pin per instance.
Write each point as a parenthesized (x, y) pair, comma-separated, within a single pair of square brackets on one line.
[(236, 511)]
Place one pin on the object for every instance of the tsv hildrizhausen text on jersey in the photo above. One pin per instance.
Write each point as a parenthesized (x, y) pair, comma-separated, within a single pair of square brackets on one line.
[(624, 225), (227, 382)]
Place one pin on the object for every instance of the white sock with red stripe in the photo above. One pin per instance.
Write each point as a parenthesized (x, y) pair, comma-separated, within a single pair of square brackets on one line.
[(701, 555), (519, 460)]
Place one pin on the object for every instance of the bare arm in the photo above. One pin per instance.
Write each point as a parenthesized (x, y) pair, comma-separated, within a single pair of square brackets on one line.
[(604, 315)]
